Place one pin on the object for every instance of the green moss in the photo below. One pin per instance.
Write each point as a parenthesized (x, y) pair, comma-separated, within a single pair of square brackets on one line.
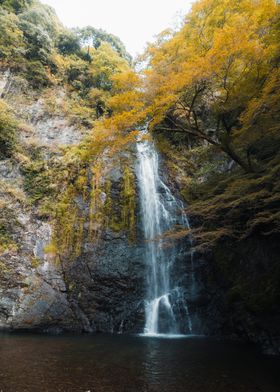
[(66, 217), (8, 132), (108, 201), (7, 225), (128, 198), (92, 188), (4, 269), (35, 262), (238, 203), (37, 180), (96, 210)]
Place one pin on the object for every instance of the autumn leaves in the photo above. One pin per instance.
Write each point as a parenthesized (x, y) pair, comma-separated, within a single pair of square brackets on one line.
[(202, 79)]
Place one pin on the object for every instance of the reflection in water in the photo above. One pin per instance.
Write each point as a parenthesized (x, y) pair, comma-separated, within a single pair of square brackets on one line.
[(34, 363)]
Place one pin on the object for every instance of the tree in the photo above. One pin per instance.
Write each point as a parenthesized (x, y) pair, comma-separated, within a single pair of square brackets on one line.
[(16, 6), (106, 63), (91, 37), (127, 103), (41, 28), (38, 42), (200, 80), (12, 46), (68, 43), (43, 16)]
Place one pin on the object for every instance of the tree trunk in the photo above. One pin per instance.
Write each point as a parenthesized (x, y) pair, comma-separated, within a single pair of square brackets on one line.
[(227, 148)]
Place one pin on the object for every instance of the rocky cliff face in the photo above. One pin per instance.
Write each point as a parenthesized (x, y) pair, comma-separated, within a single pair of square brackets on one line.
[(106, 286), (237, 287), (105, 283), (33, 291), (239, 283), (102, 290)]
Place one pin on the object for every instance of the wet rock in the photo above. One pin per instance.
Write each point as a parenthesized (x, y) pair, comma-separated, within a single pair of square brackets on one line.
[(234, 304), (106, 284), (32, 289)]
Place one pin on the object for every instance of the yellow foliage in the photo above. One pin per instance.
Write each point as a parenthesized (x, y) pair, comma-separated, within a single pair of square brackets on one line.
[(228, 43)]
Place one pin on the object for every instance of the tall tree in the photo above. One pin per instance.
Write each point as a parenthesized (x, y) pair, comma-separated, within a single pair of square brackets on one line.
[(201, 79)]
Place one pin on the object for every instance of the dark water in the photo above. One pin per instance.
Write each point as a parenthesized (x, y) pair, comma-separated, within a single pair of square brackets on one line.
[(133, 364)]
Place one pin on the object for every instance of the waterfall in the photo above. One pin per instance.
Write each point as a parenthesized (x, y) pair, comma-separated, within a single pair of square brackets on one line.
[(166, 310)]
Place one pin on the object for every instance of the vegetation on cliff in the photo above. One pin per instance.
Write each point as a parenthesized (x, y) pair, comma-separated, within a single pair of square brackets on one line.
[(210, 92), (71, 72)]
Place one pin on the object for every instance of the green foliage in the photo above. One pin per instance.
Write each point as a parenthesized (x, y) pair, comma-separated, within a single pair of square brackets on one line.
[(79, 75), (89, 36), (34, 43), (37, 74), (39, 43), (128, 200), (27, 37), (15, 5), (5, 237), (106, 63), (37, 181), (68, 43), (35, 262), (8, 132), (12, 46), (7, 225), (84, 76), (44, 18)]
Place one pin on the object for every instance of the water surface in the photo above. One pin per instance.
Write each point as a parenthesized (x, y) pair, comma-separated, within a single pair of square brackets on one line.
[(101, 363)]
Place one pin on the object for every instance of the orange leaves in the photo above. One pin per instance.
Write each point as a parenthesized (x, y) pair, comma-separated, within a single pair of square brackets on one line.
[(215, 64), (263, 112), (123, 121), (229, 43), (128, 104), (113, 133), (126, 81), (126, 101)]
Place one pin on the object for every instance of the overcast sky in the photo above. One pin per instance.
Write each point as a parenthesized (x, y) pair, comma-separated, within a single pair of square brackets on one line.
[(134, 21)]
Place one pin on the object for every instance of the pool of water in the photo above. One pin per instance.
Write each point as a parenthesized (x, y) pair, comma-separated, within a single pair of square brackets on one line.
[(101, 363)]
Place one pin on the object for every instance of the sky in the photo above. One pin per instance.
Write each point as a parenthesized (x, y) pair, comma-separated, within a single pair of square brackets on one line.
[(135, 22)]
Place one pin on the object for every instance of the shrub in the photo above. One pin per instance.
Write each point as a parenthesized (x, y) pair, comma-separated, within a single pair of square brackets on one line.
[(8, 132)]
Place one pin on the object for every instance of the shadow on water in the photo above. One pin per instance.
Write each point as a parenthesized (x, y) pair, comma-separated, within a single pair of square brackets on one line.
[(108, 363)]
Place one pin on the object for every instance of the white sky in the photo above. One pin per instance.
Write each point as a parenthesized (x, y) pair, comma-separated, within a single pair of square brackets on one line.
[(134, 21)]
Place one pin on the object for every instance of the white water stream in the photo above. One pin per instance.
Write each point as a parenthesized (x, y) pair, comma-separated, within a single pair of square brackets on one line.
[(160, 212)]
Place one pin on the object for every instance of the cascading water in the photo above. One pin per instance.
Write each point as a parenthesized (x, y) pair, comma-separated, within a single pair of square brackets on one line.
[(165, 306)]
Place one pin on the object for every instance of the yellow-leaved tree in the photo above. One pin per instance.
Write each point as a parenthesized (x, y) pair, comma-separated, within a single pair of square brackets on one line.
[(201, 79)]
